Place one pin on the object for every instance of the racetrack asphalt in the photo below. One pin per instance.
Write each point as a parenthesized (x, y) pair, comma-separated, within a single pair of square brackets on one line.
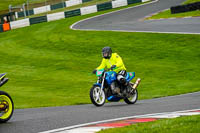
[(132, 20), (44, 119)]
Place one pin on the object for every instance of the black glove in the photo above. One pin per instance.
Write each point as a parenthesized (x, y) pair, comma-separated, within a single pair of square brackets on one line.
[(94, 72), (113, 66)]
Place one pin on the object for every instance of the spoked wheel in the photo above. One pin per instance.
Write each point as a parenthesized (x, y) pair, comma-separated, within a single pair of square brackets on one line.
[(6, 107), (132, 98), (97, 96)]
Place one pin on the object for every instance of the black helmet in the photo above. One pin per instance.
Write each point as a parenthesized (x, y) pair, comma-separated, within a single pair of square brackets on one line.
[(106, 52)]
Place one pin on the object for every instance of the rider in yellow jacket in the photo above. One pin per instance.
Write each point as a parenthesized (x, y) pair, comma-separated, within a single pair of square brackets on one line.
[(113, 61)]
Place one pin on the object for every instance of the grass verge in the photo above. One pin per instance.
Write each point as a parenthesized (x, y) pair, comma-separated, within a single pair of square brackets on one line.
[(167, 13), (187, 124), (50, 65)]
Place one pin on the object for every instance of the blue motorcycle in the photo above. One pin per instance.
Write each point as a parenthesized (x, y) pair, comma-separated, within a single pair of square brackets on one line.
[(103, 89)]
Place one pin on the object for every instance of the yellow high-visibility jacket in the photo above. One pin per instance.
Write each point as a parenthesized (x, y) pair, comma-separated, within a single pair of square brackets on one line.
[(114, 60)]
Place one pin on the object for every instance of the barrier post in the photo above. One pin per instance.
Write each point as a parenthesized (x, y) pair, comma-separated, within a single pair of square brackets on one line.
[(6, 27)]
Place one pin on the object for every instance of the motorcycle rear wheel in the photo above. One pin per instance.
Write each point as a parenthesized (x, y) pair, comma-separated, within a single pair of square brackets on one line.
[(97, 96), (133, 98), (6, 107)]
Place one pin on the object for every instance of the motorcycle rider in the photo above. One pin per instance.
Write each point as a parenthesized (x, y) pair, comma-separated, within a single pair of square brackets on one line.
[(113, 61)]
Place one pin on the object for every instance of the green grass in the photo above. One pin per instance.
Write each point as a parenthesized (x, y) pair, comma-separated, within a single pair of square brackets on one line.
[(191, 1), (187, 124), (5, 3), (167, 13), (50, 65)]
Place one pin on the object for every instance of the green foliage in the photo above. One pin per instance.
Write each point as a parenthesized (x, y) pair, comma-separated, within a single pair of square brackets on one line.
[(187, 124), (50, 65), (5, 3)]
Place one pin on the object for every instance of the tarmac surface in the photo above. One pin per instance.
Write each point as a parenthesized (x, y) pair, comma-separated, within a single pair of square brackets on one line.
[(132, 20), (44, 119)]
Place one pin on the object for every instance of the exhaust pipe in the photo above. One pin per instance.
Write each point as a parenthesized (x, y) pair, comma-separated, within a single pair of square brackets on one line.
[(136, 83)]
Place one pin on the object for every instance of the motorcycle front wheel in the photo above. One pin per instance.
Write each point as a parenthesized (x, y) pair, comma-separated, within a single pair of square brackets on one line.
[(133, 97), (6, 107), (97, 96)]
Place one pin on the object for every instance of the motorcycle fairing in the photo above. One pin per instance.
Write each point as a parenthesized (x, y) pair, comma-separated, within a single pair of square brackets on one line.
[(111, 76), (99, 72), (130, 76)]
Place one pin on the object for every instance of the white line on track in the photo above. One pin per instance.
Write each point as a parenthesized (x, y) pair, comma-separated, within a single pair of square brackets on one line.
[(141, 31), (116, 119), (71, 27)]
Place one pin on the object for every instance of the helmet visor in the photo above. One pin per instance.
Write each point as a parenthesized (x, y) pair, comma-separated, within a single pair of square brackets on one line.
[(106, 52), (106, 55)]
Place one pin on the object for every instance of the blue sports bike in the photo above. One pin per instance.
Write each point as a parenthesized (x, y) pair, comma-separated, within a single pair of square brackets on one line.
[(102, 89)]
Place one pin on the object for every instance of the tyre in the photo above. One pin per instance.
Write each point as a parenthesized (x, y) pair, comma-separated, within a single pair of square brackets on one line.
[(133, 97), (6, 107), (97, 96)]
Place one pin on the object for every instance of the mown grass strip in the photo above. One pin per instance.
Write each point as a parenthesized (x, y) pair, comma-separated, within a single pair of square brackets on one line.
[(187, 124), (50, 65)]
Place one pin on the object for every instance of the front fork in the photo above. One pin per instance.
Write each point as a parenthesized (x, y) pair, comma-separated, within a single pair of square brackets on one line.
[(99, 82), (102, 84)]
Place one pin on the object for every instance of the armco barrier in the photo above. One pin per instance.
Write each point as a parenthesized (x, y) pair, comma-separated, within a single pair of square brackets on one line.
[(104, 6), (185, 8), (41, 9), (20, 14), (16, 14), (57, 6), (1, 28), (144, 0), (72, 13), (77, 12), (38, 20), (119, 3), (19, 23), (133, 1), (88, 10), (28, 13), (85, 1), (55, 16), (73, 2)]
